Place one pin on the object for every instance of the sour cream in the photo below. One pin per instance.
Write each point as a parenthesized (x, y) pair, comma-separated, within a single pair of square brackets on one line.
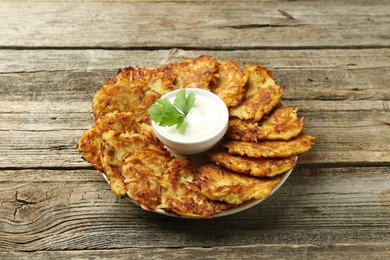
[(204, 126)]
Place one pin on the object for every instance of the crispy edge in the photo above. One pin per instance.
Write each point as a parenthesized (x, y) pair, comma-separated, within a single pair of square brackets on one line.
[(90, 141), (221, 184), (182, 193), (230, 83), (280, 149), (142, 173), (259, 104), (258, 167), (194, 73), (135, 99), (115, 148), (282, 124), (133, 90)]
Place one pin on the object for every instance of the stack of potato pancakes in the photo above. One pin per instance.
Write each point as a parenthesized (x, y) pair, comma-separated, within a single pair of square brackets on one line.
[(262, 141)]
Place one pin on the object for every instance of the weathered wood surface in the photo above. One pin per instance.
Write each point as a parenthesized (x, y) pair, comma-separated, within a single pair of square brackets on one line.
[(339, 93), (227, 24), (261, 251), (74, 210), (333, 58)]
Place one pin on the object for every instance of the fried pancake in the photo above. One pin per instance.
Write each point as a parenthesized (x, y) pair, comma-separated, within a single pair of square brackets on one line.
[(243, 130), (258, 77), (133, 90), (112, 138), (133, 98), (142, 172), (90, 142), (159, 80), (280, 149), (282, 124), (261, 97), (259, 104), (115, 148), (221, 184), (181, 191), (194, 73), (229, 83), (258, 167)]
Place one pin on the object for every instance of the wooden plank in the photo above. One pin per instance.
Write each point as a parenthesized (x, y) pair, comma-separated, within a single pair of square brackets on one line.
[(95, 59), (51, 107), (306, 74), (211, 25), (74, 210), (329, 251), (44, 134)]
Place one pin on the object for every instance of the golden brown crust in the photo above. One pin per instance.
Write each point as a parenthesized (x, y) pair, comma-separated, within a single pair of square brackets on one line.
[(230, 83), (133, 90), (279, 149), (112, 138), (261, 97), (262, 102), (181, 191), (282, 124), (218, 183), (90, 141), (122, 144), (194, 73), (142, 173), (258, 167), (133, 98)]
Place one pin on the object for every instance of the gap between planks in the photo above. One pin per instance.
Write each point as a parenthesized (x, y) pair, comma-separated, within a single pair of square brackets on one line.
[(186, 48)]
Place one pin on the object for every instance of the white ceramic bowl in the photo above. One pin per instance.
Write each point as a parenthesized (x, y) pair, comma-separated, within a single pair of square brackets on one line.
[(211, 130)]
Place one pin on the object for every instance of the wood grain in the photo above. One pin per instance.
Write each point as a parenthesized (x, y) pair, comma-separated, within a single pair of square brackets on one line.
[(332, 57), (209, 25), (75, 210), (347, 137), (299, 251), (307, 74), (44, 110)]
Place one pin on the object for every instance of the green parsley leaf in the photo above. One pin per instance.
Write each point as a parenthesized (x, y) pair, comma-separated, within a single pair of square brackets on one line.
[(167, 114)]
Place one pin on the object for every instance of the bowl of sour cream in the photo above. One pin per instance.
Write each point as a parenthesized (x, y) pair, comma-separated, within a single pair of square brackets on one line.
[(204, 126)]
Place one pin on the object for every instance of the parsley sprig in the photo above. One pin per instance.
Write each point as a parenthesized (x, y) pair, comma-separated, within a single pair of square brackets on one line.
[(167, 114)]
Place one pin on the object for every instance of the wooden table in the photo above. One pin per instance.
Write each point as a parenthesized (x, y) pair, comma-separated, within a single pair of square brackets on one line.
[(333, 57)]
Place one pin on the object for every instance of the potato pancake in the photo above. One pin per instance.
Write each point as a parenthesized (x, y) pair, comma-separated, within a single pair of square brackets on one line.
[(259, 104), (133, 90), (112, 138), (90, 141), (142, 172), (230, 83), (159, 80), (258, 167), (181, 191), (261, 97), (115, 148), (280, 149), (248, 131), (134, 98), (282, 124), (194, 73), (258, 77), (221, 184)]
